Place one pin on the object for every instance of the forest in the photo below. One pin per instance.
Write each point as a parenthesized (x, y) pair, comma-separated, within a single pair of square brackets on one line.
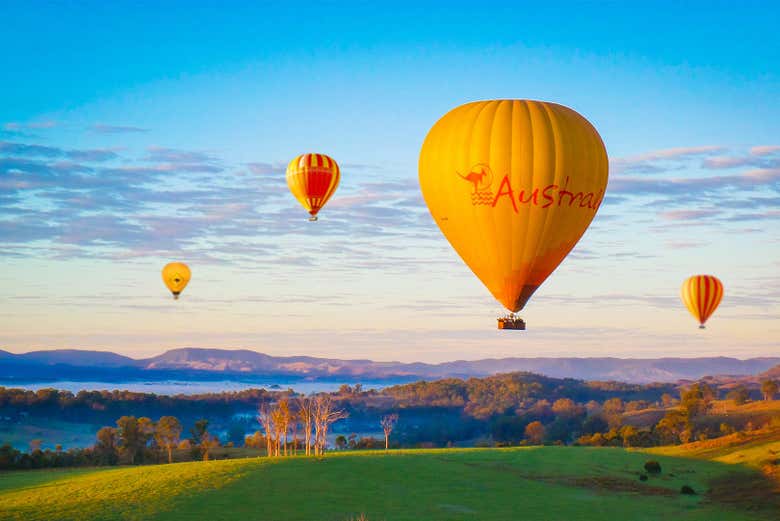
[(502, 410)]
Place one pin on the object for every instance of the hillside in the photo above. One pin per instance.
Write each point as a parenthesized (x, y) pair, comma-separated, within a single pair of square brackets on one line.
[(195, 363), (488, 484)]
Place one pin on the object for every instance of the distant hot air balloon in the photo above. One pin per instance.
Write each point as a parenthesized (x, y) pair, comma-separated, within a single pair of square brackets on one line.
[(312, 179), (513, 185), (176, 275), (701, 294)]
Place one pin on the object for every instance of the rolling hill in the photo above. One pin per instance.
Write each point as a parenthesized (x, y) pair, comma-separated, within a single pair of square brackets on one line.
[(195, 363), (535, 483)]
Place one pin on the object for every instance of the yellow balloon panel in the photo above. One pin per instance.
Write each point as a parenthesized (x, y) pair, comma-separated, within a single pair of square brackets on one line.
[(513, 185), (176, 275), (701, 294), (312, 179)]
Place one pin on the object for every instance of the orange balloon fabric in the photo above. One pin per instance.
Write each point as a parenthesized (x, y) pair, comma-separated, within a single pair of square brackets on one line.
[(312, 179), (513, 185)]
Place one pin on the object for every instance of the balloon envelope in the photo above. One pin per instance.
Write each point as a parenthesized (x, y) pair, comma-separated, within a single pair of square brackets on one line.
[(312, 178), (513, 184), (701, 294), (176, 275)]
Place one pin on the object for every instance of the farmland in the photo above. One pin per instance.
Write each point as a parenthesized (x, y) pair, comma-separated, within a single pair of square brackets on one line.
[(449, 484)]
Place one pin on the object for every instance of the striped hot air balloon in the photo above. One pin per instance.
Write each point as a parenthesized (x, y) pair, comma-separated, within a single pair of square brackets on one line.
[(701, 294), (312, 179)]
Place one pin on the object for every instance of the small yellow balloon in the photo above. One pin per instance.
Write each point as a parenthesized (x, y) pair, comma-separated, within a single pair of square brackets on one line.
[(176, 275)]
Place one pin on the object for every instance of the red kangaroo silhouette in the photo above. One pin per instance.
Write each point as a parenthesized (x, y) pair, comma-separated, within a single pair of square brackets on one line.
[(474, 177)]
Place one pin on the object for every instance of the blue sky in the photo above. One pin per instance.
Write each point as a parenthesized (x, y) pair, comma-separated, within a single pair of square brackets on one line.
[(132, 134)]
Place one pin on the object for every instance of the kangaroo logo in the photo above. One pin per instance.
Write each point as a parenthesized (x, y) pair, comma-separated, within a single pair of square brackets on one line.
[(481, 177)]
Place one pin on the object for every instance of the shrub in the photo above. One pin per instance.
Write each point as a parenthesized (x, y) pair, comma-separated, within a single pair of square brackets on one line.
[(643, 477), (653, 467), (687, 490)]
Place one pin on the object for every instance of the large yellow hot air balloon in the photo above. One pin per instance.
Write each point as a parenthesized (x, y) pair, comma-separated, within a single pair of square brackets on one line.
[(312, 179), (701, 294), (513, 184), (176, 275)]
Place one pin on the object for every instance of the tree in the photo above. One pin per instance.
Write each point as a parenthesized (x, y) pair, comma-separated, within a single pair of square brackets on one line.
[(739, 395), (673, 426), (695, 401), (667, 400), (628, 433), (133, 434), (325, 414), (594, 424), (106, 446), (341, 442), (201, 437), (198, 430), (306, 417), (167, 434), (534, 432), (265, 418), (769, 389), (207, 441), (388, 422), (565, 407)]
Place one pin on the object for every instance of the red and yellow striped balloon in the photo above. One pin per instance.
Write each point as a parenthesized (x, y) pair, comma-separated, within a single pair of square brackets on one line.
[(312, 179), (701, 294)]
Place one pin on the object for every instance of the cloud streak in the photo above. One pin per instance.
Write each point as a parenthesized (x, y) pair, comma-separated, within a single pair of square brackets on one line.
[(100, 128)]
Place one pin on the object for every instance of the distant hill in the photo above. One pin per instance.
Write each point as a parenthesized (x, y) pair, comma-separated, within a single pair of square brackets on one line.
[(197, 363)]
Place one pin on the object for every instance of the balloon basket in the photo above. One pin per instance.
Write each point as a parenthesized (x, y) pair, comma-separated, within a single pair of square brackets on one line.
[(511, 322), (702, 327), (312, 218)]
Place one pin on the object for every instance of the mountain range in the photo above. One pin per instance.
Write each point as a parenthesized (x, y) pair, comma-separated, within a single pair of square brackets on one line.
[(209, 364)]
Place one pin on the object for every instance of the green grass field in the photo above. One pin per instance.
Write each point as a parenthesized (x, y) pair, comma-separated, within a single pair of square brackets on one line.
[(549, 483)]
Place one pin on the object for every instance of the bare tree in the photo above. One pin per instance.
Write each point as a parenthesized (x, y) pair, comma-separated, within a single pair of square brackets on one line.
[(265, 418), (306, 417), (388, 424), (285, 417), (325, 414)]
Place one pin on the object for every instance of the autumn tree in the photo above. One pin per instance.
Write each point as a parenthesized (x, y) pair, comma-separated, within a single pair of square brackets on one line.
[(534, 432), (674, 426), (106, 446), (769, 389), (565, 407), (388, 422), (628, 433), (167, 434), (667, 400)]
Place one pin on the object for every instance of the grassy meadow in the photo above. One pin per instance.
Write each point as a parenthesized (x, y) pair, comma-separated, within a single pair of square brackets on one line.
[(535, 483)]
